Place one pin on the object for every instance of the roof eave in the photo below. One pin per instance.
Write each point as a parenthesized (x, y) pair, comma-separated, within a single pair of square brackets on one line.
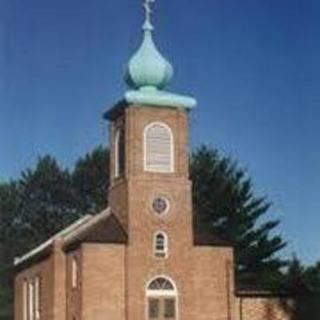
[(50, 242)]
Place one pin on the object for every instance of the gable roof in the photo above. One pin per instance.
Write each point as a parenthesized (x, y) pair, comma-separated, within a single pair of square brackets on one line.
[(106, 229), (45, 245), (210, 239), (101, 228)]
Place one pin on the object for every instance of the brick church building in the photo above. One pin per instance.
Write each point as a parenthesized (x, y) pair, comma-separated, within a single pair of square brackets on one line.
[(139, 259)]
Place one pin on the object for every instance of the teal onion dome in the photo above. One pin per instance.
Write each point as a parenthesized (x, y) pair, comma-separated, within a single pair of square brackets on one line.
[(149, 73), (148, 68)]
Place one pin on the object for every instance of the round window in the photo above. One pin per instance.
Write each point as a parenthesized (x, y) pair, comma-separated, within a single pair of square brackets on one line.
[(160, 205)]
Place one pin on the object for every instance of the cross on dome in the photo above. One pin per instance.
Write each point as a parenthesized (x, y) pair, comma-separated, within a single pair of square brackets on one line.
[(148, 68), (148, 11)]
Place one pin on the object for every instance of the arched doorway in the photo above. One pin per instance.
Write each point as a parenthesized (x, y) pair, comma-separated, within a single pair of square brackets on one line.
[(161, 295)]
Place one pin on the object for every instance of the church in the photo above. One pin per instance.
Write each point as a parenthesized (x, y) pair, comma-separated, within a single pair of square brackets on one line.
[(139, 259)]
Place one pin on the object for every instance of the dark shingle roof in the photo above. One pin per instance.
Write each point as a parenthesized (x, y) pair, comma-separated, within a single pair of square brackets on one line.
[(209, 239), (108, 230)]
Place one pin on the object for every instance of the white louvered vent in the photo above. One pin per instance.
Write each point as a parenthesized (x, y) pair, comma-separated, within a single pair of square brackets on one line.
[(158, 148)]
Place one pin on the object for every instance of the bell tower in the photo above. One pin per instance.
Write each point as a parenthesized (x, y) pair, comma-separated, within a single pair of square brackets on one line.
[(148, 128), (150, 191)]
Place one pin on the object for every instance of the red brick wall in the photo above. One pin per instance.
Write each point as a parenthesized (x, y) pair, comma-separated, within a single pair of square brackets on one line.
[(135, 119), (44, 270), (264, 308), (103, 281), (200, 274), (52, 272), (212, 293), (74, 306), (59, 283)]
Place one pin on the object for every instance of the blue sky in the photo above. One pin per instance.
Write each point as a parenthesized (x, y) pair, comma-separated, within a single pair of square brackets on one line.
[(253, 66)]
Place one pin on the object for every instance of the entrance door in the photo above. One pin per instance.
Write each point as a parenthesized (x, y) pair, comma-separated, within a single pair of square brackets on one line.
[(162, 308), (162, 299)]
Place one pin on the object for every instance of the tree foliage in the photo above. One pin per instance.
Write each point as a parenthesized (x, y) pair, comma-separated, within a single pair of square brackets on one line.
[(8, 212), (46, 202), (90, 180), (225, 204), (304, 284)]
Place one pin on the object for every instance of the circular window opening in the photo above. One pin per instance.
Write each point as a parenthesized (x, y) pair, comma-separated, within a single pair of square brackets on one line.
[(160, 205)]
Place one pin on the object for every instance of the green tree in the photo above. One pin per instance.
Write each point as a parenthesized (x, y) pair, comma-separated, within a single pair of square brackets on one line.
[(294, 280), (46, 202), (304, 284), (225, 204), (90, 180), (8, 245), (310, 300)]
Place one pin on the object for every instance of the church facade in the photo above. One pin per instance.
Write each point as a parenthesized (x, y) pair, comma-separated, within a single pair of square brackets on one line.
[(139, 258)]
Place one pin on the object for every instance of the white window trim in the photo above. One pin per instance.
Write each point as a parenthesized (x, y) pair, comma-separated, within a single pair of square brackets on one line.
[(168, 203), (116, 153), (172, 165), (30, 300), (161, 293), (37, 293), (165, 250), (25, 300), (74, 272)]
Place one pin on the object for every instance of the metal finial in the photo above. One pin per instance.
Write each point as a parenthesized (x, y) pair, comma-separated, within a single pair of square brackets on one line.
[(148, 10)]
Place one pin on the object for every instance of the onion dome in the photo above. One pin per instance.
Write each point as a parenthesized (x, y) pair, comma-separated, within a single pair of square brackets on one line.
[(148, 68), (149, 73)]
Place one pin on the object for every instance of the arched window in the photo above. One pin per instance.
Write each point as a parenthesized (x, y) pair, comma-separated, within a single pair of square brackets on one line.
[(162, 299), (158, 148), (160, 245), (119, 153)]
